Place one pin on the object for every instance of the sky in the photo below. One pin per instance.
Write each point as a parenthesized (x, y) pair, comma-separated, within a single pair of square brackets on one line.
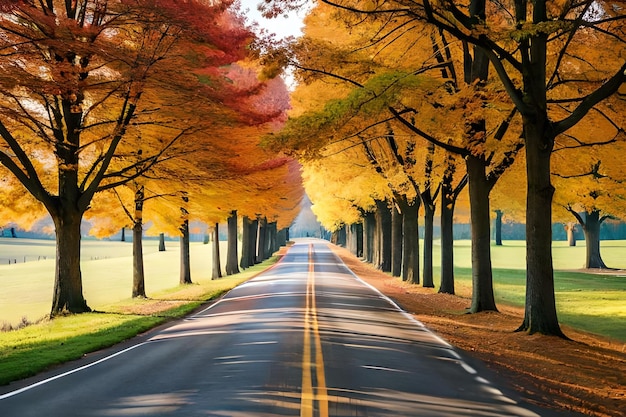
[(281, 26)]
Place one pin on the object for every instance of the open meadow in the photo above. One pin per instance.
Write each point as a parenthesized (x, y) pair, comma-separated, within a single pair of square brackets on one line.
[(26, 287)]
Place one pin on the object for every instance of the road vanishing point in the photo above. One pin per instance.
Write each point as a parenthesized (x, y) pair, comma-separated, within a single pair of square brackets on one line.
[(305, 338)]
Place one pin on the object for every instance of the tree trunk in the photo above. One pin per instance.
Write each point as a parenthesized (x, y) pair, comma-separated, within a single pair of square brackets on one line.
[(283, 236), (139, 286), (161, 242), (410, 237), (498, 227), (68, 287), (350, 239), (232, 255), (262, 239), (482, 284), (592, 240), (359, 239), (123, 238), (570, 228), (185, 264), (253, 242), (447, 238), (272, 232), (340, 238), (396, 242), (429, 216), (383, 227), (369, 234), (245, 261), (216, 271), (540, 310)]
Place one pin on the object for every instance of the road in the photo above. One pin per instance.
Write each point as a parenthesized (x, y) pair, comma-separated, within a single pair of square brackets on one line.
[(306, 338)]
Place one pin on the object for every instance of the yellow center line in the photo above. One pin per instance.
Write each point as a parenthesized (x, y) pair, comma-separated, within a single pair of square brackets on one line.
[(311, 327)]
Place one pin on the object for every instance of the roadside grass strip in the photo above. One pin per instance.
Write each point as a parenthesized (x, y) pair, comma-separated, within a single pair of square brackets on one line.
[(35, 348)]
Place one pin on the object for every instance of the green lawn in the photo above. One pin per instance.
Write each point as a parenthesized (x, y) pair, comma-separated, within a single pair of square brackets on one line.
[(106, 268), (592, 302)]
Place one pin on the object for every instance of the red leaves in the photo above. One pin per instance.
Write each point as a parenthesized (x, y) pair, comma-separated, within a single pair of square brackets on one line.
[(203, 21), (8, 5)]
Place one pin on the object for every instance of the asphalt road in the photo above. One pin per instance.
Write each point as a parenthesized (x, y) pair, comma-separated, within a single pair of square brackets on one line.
[(306, 338)]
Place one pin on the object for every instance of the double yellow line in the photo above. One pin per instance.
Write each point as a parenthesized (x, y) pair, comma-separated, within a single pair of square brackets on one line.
[(318, 393)]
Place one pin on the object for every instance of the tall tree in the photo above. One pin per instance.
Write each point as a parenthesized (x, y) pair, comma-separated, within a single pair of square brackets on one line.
[(215, 244), (232, 258), (591, 190), (74, 88)]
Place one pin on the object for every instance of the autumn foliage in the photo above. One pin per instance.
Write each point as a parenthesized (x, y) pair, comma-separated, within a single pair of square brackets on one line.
[(97, 94)]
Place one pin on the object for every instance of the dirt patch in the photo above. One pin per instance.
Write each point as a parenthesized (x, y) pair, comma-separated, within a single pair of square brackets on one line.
[(586, 375)]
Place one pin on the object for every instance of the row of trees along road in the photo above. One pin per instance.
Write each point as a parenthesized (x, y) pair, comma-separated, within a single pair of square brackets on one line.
[(128, 111), (413, 98)]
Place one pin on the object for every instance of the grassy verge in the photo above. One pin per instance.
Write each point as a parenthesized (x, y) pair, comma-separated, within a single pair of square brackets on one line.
[(32, 349), (590, 302)]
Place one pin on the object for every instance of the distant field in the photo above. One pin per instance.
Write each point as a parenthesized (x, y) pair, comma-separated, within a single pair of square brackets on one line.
[(26, 288), (512, 254)]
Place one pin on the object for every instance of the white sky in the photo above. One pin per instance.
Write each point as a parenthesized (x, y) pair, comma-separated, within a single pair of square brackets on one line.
[(281, 26)]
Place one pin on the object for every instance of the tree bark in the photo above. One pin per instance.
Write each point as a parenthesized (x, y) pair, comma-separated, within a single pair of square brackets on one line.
[(498, 227), (570, 228), (262, 239), (216, 270), (396, 242), (447, 238), (283, 236), (139, 286), (68, 287), (540, 308), (161, 242), (253, 242), (383, 230), (359, 239), (270, 240), (232, 255), (410, 244), (339, 237), (369, 233), (245, 261), (429, 216), (591, 228), (482, 284), (185, 264)]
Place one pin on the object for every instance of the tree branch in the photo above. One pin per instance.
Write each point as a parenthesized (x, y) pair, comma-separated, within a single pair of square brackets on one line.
[(608, 88), (432, 139)]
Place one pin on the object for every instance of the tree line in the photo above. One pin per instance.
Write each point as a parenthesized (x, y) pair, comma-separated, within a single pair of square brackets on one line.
[(406, 105), (137, 113)]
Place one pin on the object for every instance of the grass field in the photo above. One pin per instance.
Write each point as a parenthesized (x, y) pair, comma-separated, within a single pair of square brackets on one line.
[(26, 287), (107, 265), (592, 302)]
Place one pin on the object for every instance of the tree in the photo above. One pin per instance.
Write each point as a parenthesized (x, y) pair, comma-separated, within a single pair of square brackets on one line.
[(232, 258), (217, 268), (591, 190), (73, 91)]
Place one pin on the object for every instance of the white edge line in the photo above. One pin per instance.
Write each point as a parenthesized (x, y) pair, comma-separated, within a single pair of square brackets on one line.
[(89, 365)]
